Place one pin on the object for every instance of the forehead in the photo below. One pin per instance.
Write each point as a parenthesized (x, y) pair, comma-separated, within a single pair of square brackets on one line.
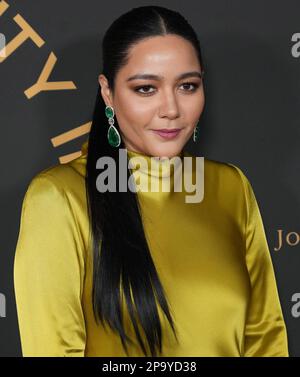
[(165, 55)]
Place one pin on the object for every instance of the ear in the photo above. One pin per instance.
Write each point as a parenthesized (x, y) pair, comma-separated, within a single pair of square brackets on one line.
[(105, 90)]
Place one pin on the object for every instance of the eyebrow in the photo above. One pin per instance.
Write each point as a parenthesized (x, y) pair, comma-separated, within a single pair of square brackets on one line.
[(148, 76)]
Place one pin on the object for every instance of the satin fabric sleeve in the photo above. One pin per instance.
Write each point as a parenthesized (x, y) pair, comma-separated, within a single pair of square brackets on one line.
[(48, 273), (265, 329)]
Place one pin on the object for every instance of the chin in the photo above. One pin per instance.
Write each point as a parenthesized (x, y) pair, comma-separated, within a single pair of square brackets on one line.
[(165, 150)]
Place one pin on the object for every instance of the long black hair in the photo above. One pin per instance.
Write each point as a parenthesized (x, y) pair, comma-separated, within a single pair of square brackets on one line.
[(122, 262)]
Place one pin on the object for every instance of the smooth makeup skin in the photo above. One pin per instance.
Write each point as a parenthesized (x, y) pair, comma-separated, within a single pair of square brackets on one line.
[(144, 105)]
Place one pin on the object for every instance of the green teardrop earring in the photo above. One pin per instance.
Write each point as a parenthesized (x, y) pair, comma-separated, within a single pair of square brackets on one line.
[(113, 135), (196, 134)]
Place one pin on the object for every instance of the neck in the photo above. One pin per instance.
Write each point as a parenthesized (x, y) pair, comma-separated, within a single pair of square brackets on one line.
[(152, 172)]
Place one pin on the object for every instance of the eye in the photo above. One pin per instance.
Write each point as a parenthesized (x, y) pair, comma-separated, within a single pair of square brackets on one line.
[(137, 89), (194, 86)]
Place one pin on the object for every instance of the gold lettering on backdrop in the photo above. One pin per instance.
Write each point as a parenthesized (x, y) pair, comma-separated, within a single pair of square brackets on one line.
[(43, 85), (26, 33), (68, 136), (279, 239), (3, 7), (289, 239)]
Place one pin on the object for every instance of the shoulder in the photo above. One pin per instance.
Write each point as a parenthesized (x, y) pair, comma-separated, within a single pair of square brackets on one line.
[(225, 183), (219, 170), (59, 180)]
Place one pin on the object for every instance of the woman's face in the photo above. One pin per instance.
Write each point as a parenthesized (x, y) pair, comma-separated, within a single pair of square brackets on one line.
[(143, 105)]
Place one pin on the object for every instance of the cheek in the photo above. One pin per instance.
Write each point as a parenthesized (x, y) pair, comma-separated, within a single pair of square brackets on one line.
[(134, 111), (194, 107)]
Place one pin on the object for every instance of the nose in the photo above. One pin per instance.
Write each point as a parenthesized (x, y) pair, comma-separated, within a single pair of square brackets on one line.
[(169, 107)]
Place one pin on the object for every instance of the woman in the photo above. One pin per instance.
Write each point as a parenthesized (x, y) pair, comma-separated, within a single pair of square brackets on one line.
[(116, 273)]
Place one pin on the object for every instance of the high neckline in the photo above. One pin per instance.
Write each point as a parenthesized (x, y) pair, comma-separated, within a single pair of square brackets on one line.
[(146, 168), (154, 166)]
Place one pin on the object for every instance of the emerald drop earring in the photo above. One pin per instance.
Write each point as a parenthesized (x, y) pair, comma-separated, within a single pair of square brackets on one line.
[(195, 134), (113, 135)]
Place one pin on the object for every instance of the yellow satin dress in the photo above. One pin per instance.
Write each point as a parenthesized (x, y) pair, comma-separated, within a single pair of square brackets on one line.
[(212, 258)]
